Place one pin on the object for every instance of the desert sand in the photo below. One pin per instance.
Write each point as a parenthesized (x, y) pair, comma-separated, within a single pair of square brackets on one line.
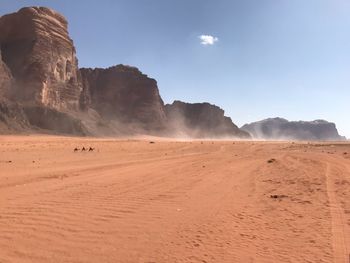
[(173, 201)]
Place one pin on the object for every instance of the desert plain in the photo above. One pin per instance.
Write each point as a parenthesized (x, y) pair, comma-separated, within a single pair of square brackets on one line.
[(158, 200)]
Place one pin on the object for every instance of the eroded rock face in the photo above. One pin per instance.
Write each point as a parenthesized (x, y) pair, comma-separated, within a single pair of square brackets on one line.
[(282, 129), (17, 118), (49, 119), (12, 117), (36, 48), (5, 78), (124, 94), (201, 120)]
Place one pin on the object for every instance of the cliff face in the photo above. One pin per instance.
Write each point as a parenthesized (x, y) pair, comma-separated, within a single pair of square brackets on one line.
[(200, 120), (282, 129), (5, 79), (12, 117), (40, 83), (36, 48), (41, 87), (124, 94)]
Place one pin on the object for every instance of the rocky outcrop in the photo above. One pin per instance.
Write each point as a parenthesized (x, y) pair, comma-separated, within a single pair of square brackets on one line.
[(36, 48), (201, 120), (39, 70), (124, 94), (5, 79), (18, 118), (49, 119), (282, 129), (12, 117), (39, 75), (41, 88), (40, 83)]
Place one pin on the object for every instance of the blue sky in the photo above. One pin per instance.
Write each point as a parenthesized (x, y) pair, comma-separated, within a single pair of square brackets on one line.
[(286, 58)]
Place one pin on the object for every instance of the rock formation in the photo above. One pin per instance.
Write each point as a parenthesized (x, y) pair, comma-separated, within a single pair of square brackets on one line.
[(282, 129), (201, 120), (36, 48), (124, 94), (12, 117), (50, 119), (40, 83), (42, 88), (5, 79), (39, 72)]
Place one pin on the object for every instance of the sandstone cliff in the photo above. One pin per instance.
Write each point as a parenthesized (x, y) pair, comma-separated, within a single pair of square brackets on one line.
[(124, 94), (12, 116), (201, 120), (282, 129), (36, 48), (42, 88)]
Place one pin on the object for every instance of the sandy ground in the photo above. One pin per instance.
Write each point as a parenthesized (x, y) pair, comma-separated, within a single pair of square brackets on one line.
[(136, 201)]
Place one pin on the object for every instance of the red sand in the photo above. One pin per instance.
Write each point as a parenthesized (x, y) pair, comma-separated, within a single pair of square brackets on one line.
[(132, 201)]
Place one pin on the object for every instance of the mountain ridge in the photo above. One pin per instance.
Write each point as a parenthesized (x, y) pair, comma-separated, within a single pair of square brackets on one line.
[(282, 129), (40, 81)]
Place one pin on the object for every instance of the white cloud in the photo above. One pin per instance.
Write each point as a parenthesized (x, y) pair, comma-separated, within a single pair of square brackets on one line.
[(208, 39)]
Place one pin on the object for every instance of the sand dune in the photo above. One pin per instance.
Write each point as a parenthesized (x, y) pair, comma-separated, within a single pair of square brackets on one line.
[(172, 201)]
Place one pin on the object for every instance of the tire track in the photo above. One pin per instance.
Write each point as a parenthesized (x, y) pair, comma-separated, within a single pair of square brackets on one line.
[(339, 226)]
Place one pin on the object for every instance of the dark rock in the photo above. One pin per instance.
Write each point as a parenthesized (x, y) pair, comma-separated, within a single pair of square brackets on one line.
[(201, 120), (5, 79), (53, 120), (278, 196), (282, 129), (12, 117), (124, 94)]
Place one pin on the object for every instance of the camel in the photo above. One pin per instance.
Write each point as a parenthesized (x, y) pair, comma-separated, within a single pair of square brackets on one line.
[(76, 149), (91, 149), (83, 149)]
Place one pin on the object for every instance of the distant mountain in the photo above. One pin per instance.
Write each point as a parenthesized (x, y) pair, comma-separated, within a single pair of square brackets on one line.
[(201, 120), (282, 129)]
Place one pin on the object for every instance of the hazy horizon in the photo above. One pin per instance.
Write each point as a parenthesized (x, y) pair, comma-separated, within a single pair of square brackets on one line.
[(254, 59)]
